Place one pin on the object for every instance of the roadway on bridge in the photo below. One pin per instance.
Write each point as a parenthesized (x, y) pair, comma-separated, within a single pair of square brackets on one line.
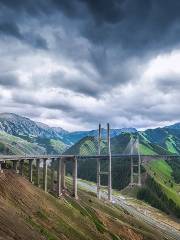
[(169, 232)]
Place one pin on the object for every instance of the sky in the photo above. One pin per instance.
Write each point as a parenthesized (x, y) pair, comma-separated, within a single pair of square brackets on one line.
[(75, 63)]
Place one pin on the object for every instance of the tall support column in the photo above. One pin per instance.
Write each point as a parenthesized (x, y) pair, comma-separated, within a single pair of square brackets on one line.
[(139, 165), (75, 178), (109, 168), (21, 166), (1, 171), (31, 170), (45, 175), (63, 173), (37, 172), (132, 168), (59, 171), (132, 174), (52, 174), (15, 162), (98, 163)]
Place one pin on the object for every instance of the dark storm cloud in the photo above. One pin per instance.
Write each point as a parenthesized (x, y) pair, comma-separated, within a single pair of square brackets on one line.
[(142, 27), (120, 31), (54, 104), (76, 84), (168, 83), (133, 27), (36, 41), (90, 49), (104, 10), (33, 7), (11, 29), (8, 80)]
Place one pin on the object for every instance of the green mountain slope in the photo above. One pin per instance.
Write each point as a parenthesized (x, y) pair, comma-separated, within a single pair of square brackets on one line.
[(14, 145), (160, 188), (167, 137), (10, 144), (57, 140), (51, 146)]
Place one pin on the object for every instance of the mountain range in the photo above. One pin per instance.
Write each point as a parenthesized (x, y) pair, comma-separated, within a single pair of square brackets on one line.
[(161, 179), (54, 140)]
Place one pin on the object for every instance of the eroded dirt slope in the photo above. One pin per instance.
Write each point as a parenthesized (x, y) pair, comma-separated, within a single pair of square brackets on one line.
[(27, 213)]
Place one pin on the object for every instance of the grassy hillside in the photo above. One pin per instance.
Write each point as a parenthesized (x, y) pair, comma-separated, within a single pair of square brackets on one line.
[(167, 137), (14, 145), (10, 144), (51, 146), (162, 187), (26, 212)]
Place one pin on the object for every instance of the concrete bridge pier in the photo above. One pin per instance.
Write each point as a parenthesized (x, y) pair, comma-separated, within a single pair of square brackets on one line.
[(132, 172), (109, 171), (1, 171), (52, 173), (45, 175), (63, 173), (21, 167), (38, 172), (99, 164), (59, 181), (75, 178), (137, 166), (98, 179), (15, 163), (31, 170), (109, 167), (139, 172)]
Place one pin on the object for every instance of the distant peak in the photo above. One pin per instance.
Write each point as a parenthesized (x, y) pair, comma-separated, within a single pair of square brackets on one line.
[(174, 126), (9, 115)]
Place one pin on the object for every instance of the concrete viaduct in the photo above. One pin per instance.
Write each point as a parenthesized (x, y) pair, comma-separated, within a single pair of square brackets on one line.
[(18, 166)]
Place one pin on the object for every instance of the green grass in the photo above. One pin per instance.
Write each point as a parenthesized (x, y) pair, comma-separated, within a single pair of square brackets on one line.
[(58, 145), (162, 173), (15, 145), (146, 150), (162, 168), (170, 144), (42, 230)]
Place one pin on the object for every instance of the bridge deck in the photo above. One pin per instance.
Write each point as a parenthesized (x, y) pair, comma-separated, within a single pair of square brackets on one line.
[(50, 157)]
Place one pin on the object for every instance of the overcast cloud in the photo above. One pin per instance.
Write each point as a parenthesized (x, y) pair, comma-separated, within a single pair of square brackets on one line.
[(76, 63)]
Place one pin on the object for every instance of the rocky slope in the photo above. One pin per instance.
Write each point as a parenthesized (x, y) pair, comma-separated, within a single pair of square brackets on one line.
[(47, 138), (20, 126)]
